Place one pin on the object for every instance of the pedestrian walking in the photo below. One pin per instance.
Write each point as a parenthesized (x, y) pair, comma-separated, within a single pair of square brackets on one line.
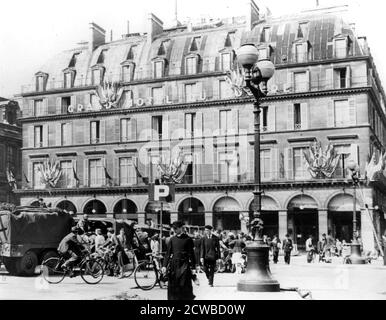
[(287, 247), (210, 252), (275, 247), (197, 249), (179, 261), (310, 249)]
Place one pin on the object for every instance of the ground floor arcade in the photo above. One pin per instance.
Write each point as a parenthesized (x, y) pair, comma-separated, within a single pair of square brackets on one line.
[(296, 212)]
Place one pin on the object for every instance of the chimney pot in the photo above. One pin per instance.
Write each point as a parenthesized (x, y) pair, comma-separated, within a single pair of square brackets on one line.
[(155, 27), (97, 36)]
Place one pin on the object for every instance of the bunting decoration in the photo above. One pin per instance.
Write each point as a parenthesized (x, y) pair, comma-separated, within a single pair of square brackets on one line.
[(11, 179), (109, 94), (108, 178), (145, 180), (175, 171), (75, 177), (51, 173)]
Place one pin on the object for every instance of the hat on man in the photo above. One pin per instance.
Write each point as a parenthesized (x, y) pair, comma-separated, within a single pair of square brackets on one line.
[(177, 224), (209, 227)]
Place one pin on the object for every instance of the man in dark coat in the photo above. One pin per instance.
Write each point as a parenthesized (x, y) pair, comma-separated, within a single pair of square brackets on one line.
[(179, 261), (71, 245), (287, 248), (210, 252)]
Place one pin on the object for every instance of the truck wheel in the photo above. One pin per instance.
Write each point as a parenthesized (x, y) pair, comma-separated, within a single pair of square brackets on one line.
[(49, 254), (28, 263), (12, 265)]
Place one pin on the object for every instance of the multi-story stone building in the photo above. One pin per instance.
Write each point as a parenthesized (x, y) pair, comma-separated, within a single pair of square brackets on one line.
[(170, 91), (10, 150)]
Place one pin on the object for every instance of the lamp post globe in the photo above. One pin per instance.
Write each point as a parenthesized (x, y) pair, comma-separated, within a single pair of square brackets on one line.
[(247, 55), (352, 165), (267, 69)]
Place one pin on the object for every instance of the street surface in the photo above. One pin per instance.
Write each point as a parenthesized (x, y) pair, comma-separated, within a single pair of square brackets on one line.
[(325, 281)]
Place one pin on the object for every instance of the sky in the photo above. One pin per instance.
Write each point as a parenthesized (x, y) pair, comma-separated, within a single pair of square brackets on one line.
[(31, 32)]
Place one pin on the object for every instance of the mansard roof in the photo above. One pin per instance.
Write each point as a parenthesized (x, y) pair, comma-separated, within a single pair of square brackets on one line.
[(321, 31)]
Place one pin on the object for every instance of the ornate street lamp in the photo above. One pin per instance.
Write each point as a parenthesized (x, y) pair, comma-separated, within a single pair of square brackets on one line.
[(258, 275), (356, 256)]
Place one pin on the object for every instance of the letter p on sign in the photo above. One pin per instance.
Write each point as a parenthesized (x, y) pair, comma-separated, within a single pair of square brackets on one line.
[(160, 192)]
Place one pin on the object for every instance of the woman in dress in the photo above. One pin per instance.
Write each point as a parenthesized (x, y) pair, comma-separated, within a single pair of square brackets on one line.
[(180, 261)]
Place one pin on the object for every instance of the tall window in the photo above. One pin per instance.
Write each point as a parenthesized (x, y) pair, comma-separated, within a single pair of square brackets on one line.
[(127, 174), (341, 48), (38, 136), (40, 83), (265, 160), (226, 61), (340, 76), (127, 73), (66, 102), (68, 83), (225, 90), (225, 121), (66, 134), (300, 52), (300, 166), (11, 157), (157, 95), (341, 109), (128, 130), (190, 119), (94, 101), (344, 152), (96, 173), (301, 82), (156, 126), (228, 167), (191, 65), (67, 177), (94, 132), (97, 77), (158, 69), (39, 108), (297, 117), (191, 92), (37, 179)]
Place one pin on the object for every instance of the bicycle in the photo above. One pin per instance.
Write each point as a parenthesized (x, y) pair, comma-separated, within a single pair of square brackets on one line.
[(148, 273), (91, 271)]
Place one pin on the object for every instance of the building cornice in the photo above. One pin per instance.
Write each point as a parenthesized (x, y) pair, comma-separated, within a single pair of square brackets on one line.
[(199, 104)]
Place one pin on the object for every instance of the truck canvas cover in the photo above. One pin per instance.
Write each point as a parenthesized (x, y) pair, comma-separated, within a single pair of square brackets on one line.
[(34, 227)]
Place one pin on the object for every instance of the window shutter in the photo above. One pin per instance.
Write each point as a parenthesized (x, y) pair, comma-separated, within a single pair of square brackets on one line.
[(85, 172), (165, 126), (31, 136), (58, 134), (133, 132), (271, 118), (290, 118), (329, 78), (235, 121), (288, 163), (71, 139), (216, 90), (31, 111), (348, 77), (45, 106), (59, 105), (200, 93), (116, 176), (352, 112), (73, 102), (103, 178), (74, 168), (330, 114), (274, 164), (29, 173), (45, 135), (305, 114), (308, 79), (181, 92), (102, 131), (86, 132), (198, 125)]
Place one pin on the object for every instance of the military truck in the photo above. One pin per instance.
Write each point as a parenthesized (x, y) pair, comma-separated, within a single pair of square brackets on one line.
[(30, 235)]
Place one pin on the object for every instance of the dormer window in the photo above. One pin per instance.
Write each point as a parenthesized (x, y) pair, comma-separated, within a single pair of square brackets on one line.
[(132, 52), (195, 45), (230, 39), (159, 66), (73, 60), (342, 46), (128, 71), (163, 48), (302, 30), (265, 34), (41, 81), (191, 64), (226, 59), (97, 75), (300, 51), (102, 56), (69, 77)]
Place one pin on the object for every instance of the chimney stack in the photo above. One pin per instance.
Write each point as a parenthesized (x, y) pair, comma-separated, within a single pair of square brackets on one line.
[(97, 36), (252, 14), (154, 27)]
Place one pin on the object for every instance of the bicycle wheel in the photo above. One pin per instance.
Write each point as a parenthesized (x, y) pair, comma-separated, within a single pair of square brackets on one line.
[(145, 275), (91, 271), (52, 270), (131, 267)]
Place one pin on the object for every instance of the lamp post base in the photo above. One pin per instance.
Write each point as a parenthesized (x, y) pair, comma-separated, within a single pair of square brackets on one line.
[(258, 276), (356, 257)]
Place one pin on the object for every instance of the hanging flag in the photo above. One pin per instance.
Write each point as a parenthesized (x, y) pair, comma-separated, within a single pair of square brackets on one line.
[(75, 177), (11, 179), (139, 175), (108, 177), (25, 177)]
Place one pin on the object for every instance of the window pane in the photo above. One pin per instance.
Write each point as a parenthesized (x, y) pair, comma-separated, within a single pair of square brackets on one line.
[(94, 134), (191, 65), (340, 48), (300, 81), (158, 95), (226, 61), (127, 174), (190, 92), (66, 179), (300, 53), (96, 76), (341, 113), (300, 170), (38, 136), (158, 68), (96, 172), (37, 176), (66, 134)]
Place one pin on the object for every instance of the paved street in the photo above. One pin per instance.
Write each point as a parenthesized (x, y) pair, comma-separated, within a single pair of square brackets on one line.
[(325, 281)]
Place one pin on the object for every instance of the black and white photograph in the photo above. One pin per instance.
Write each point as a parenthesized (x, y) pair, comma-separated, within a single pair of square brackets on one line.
[(214, 152)]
